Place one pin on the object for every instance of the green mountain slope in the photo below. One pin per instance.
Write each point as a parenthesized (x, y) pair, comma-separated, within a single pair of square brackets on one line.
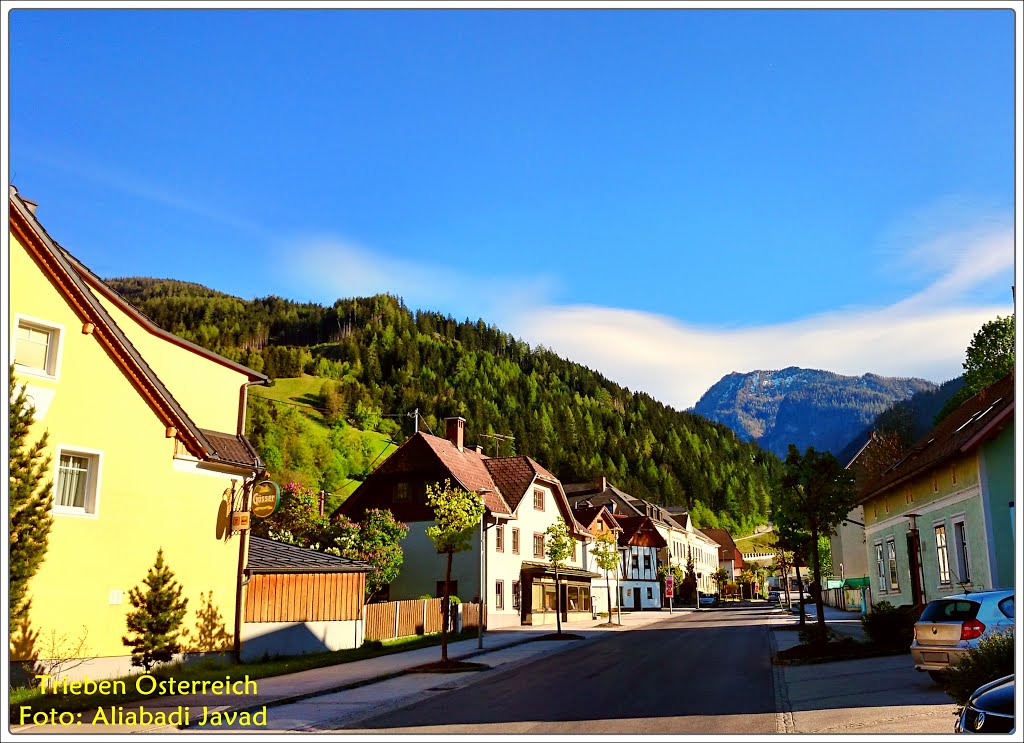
[(379, 358)]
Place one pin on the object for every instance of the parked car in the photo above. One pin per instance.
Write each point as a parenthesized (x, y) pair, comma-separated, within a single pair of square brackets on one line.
[(952, 625), (990, 709), (773, 595), (708, 599)]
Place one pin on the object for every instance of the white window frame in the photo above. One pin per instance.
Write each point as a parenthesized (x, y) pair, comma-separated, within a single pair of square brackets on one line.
[(891, 564), (962, 546), (54, 351), (880, 567), (92, 495), (941, 553)]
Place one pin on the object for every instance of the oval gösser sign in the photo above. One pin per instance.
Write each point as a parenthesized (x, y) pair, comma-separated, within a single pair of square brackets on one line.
[(266, 496)]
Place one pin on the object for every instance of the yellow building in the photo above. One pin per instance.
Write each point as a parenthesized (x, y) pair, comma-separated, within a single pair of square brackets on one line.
[(145, 437)]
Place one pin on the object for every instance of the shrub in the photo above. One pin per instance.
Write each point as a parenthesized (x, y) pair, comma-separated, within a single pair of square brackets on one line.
[(992, 659), (890, 626)]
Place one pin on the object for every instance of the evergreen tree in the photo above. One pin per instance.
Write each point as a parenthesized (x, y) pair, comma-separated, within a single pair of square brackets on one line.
[(30, 501), (158, 616)]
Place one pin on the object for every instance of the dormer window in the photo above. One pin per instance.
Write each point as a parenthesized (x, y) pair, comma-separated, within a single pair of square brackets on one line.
[(538, 499)]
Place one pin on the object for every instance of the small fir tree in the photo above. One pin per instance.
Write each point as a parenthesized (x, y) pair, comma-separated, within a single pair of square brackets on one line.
[(457, 515), (558, 546), (158, 617), (689, 585), (30, 502)]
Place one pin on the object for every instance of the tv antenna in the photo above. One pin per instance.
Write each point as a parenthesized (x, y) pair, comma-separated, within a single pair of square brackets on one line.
[(498, 438)]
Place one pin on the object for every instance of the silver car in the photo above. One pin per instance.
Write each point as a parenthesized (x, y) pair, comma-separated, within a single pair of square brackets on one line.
[(952, 625)]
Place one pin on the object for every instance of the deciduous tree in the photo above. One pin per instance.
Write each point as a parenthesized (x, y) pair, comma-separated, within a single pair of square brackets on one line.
[(558, 546), (457, 515), (815, 497), (606, 555), (990, 357)]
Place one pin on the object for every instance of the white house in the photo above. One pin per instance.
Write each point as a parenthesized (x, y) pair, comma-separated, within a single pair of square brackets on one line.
[(522, 499)]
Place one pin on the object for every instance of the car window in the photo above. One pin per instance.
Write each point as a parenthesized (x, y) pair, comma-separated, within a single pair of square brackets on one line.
[(1006, 606), (950, 610)]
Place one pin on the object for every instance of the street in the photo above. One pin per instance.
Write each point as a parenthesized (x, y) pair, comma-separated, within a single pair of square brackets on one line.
[(704, 672)]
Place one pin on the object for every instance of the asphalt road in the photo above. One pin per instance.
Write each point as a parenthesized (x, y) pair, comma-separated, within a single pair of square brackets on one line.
[(701, 673)]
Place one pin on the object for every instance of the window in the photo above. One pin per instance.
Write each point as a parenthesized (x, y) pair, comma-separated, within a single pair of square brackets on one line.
[(941, 554), (549, 597), (499, 538), (894, 578), (1006, 607), (574, 550), (37, 347), (963, 563), (401, 492), (635, 562), (499, 594), (578, 598), (538, 499), (517, 601), (515, 541), (880, 567), (77, 482), (650, 592), (600, 525), (538, 545), (910, 496), (647, 562)]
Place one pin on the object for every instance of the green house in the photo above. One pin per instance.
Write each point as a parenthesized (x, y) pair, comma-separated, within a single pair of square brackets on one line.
[(940, 520)]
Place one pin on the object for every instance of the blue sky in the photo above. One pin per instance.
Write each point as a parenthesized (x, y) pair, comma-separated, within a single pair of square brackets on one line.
[(666, 196)]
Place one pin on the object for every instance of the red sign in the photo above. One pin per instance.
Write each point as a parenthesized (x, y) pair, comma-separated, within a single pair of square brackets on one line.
[(669, 585)]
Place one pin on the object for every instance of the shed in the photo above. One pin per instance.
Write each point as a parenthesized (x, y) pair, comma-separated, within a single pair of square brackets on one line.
[(298, 600)]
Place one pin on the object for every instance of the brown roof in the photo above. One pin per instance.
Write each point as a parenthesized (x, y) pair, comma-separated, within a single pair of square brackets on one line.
[(727, 549), (268, 556), (975, 421), (587, 515), (231, 448), (468, 468)]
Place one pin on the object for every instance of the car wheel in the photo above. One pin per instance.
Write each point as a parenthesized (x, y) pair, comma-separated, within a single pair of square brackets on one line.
[(937, 676)]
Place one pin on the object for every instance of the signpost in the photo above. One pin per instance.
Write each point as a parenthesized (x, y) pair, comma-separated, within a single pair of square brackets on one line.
[(669, 586)]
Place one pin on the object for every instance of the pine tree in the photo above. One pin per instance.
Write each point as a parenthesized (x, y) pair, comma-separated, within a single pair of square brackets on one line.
[(157, 618), (31, 499)]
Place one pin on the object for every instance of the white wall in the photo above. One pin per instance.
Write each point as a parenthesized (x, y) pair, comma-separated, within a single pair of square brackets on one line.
[(296, 638)]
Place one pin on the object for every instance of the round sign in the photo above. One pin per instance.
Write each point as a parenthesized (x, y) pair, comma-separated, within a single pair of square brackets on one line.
[(266, 496)]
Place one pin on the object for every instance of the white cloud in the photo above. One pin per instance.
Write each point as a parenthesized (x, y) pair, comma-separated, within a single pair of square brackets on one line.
[(924, 335)]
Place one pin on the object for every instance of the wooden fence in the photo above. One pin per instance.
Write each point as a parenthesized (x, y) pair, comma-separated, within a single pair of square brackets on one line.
[(393, 619), (314, 597)]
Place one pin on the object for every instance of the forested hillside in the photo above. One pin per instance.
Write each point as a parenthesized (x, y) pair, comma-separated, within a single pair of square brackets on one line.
[(377, 359), (806, 407)]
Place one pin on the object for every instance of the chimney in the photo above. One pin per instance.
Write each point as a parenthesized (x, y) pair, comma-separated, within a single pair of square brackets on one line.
[(31, 205), (455, 428), (479, 448), (602, 484)]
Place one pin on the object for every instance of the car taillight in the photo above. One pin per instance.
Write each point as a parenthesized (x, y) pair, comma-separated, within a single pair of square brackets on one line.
[(971, 629), (915, 633)]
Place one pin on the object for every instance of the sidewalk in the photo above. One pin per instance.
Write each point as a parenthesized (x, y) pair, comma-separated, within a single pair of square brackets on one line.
[(294, 687), (883, 695), (843, 622)]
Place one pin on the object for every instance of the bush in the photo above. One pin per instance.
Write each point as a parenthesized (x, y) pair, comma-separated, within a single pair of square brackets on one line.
[(889, 626), (992, 659)]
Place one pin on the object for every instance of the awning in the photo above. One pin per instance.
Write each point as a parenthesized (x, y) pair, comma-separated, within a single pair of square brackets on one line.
[(548, 571), (857, 583)]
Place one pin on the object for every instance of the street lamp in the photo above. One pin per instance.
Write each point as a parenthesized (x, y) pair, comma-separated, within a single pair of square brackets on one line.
[(483, 574)]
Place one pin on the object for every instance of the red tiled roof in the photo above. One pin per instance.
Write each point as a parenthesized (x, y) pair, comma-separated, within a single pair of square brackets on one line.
[(231, 448), (725, 545), (469, 469), (974, 422)]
